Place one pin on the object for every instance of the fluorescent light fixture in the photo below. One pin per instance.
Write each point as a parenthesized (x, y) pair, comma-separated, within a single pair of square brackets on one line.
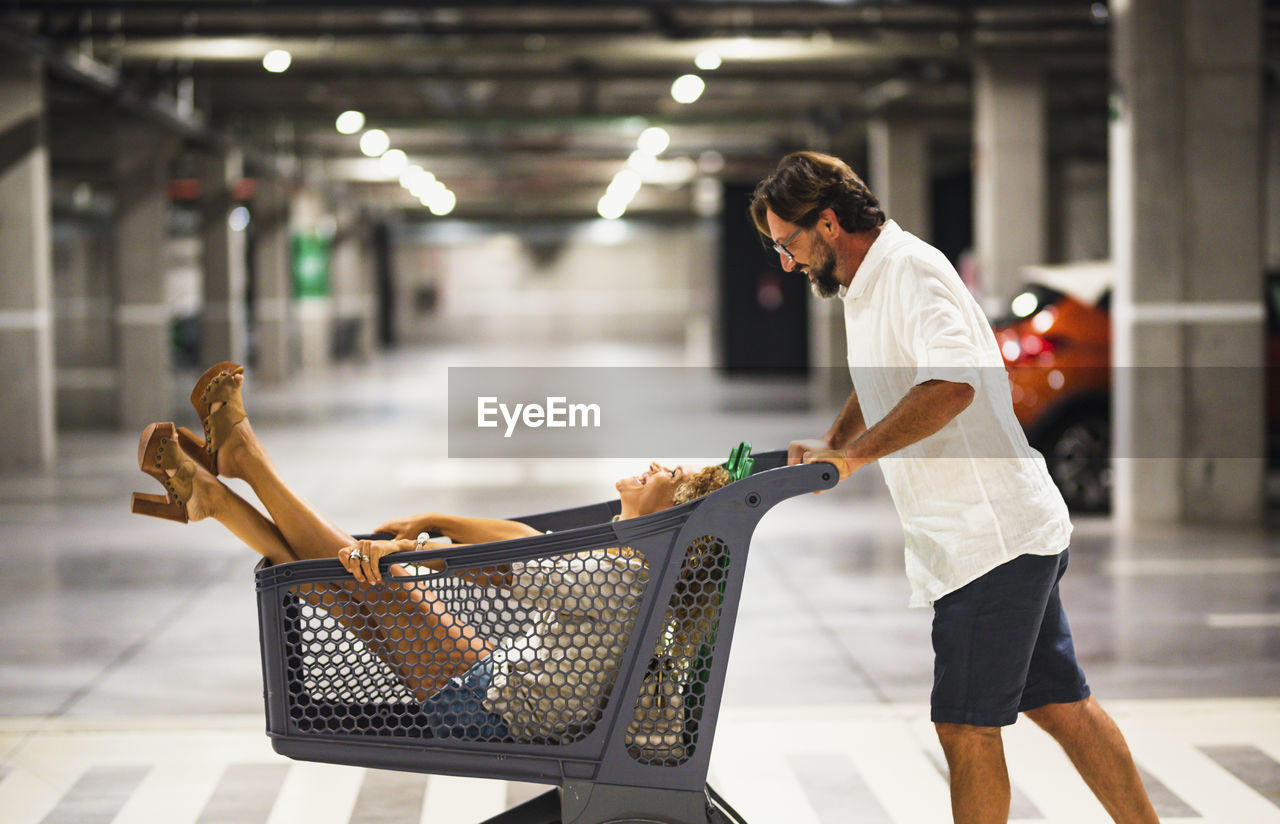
[(393, 161), (238, 219), (625, 184), (349, 122), (276, 60), (410, 174), (374, 142), (610, 208), (653, 141), (442, 202), (708, 61), (643, 162), (687, 88), (746, 47)]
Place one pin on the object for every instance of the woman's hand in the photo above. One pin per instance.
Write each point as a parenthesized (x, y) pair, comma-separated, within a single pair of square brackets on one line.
[(407, 527), (361, 559)]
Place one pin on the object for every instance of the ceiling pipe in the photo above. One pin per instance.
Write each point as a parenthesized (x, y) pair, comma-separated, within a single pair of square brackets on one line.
[(105, 82)]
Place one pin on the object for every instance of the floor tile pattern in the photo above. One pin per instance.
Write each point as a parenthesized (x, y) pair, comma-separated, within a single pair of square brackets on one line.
[(1210, 761)]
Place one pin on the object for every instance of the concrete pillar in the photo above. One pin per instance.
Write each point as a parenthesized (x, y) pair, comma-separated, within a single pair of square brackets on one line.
[(1010, 171), (1272, 153), (369, 286), (144, 348), (273, 282), (1081, 218), (224, 333), (1186, 240), (26, 334), (898, 165), (354, 289), (88, 385), (310, 218)]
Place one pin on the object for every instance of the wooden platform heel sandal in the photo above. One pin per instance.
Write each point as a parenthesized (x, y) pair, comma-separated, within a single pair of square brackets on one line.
[(215, 386), (159, 452)]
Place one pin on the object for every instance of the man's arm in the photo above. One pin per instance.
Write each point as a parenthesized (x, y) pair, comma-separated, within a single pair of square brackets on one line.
[(925, 409), (848, 425)]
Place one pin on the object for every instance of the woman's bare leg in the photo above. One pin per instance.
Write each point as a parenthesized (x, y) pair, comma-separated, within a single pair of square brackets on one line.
[(423, 661), (210, 498), (305, 530), (428, 648)]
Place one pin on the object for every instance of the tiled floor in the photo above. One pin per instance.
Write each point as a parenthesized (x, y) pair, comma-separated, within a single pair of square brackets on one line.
[(130, 686)]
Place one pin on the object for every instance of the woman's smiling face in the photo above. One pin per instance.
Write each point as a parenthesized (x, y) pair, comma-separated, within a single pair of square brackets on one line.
[(650, 491)]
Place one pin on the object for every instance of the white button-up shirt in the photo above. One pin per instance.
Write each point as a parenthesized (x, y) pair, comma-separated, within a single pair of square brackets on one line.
[(974, 494)]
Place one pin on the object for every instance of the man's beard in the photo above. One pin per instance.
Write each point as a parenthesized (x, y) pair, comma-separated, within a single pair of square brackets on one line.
[(822, 276)]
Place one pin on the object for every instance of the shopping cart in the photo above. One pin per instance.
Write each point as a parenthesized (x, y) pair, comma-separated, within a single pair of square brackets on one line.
[(591, 657)]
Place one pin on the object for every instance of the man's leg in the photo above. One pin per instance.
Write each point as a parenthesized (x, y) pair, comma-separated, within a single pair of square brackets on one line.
[(984, 638), (979, 777), (1098, 750)]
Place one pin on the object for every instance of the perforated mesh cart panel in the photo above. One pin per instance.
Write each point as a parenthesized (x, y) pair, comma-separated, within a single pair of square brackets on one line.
[(592, 657)]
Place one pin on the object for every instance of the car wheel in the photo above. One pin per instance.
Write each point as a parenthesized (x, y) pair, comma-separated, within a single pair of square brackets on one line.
[(1078, 454)]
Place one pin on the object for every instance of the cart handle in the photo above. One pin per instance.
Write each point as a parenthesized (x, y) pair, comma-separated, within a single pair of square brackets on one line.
[(773, 481)]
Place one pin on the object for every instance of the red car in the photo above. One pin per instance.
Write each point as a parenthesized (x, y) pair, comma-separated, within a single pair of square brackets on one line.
[(1056, 344)]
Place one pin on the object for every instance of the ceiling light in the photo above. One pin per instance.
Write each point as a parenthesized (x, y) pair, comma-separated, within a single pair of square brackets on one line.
[(610, 208), (654, 141), (708, 61), (238, 219), (687, 88), (393, 161), (276, 60), (643, 162), (428, 189), (410, 174), (625, 184), (416, 179), (374, 142), (350, 122), (442, 202), (745, 47)]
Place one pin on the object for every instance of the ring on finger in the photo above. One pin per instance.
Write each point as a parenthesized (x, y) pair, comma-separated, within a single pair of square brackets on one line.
[(357, 556)]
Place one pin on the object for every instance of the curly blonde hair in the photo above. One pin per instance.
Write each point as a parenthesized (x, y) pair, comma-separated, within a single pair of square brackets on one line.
[(704, 481)]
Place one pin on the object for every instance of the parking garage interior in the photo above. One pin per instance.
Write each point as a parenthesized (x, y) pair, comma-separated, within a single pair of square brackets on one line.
[(361, 201)]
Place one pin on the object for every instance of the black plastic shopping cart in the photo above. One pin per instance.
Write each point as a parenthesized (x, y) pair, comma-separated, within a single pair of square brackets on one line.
[(591, 657)]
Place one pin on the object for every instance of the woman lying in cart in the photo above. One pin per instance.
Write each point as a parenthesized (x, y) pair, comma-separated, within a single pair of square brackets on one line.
[(485, 688)]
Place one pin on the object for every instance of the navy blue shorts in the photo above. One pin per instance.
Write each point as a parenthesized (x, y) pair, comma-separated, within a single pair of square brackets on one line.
[(1002, 646), (458, 710)]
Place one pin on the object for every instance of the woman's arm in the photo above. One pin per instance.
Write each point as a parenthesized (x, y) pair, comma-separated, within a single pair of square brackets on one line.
[(463, 530), (362, 561), (458, 528)]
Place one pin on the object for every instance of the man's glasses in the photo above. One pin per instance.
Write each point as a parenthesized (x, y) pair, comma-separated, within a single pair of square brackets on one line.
[(781, 246)]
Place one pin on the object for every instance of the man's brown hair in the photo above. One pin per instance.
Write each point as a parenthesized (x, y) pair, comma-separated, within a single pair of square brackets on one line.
[(804, 184)]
